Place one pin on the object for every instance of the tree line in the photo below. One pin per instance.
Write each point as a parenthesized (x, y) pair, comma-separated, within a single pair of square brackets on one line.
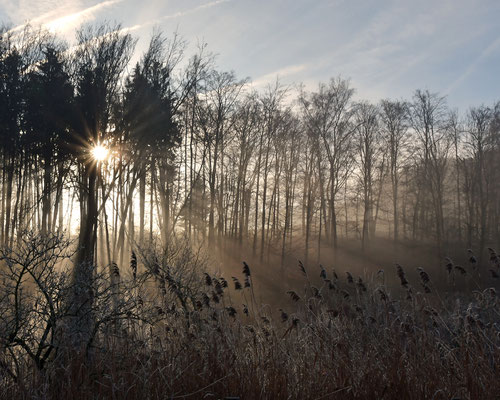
[(196, 151)]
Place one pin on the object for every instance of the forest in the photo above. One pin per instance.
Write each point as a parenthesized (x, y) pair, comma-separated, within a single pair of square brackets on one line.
[(169, 231)]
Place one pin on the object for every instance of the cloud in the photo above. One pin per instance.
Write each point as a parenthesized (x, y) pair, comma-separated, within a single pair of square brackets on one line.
[(400, 47), (21, 11), (68, 21), (280, 73), (178, 14), (72, 20), (473, 66)]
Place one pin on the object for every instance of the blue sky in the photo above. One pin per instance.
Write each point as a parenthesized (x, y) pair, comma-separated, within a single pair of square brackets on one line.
[(387, 48)]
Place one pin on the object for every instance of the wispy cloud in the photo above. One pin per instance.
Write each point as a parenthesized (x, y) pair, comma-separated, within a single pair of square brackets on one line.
[(489, 50), (178, 14), (35, 21), (20, 11), (388, 47), (70, 21), (278, 74)]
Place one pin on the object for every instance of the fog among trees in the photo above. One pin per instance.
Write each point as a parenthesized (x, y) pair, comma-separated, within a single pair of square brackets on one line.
[(129, 187)]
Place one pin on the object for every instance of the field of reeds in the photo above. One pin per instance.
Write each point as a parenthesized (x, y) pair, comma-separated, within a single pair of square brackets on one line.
[(171, 329)]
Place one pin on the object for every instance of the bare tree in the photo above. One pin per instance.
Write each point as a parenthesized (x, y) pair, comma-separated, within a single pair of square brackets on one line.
[(328, 114), (368, 146), (214, 111), (394, 118), (479, 144), (428, 117)]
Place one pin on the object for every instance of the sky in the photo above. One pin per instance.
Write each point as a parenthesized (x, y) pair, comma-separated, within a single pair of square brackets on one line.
[(387, 48)]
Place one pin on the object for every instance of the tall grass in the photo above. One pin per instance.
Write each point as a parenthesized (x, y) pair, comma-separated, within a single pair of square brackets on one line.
[(337, 338)]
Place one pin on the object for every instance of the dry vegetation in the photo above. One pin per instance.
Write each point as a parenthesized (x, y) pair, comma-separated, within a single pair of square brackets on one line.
[(167, 329)]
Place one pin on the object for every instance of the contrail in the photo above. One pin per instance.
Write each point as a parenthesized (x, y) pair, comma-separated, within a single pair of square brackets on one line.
[(65, 20), (470, 69), (177, 14), (77, 16)]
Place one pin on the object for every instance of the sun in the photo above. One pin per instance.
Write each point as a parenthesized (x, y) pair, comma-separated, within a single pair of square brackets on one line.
[(100, 153)]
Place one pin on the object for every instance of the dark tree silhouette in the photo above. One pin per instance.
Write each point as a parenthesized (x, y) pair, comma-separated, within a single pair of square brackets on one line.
[(101, 56), (49, 108)]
